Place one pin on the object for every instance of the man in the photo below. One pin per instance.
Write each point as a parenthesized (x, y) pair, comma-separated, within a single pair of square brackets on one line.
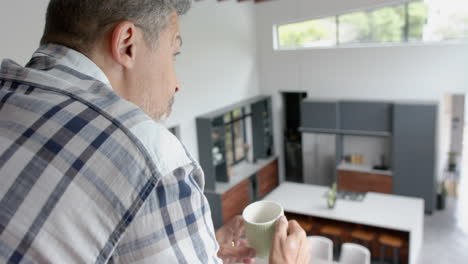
[(87, 174)]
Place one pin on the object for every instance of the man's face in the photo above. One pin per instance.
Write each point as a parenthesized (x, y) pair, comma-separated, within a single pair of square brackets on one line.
[(155, 75)]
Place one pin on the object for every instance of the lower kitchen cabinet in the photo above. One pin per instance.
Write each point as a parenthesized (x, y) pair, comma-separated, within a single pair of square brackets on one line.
[(226, 205), (235, 200), (268, 179), (357, 181)]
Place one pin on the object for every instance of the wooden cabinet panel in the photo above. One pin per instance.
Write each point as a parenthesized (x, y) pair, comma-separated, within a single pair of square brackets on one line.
[(268, 179), (364, 182), (235, 200)]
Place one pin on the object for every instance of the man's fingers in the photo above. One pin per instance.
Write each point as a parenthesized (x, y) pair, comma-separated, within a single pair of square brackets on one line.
[(292, 243), (295, 229), (242, 229), (248, 261), (231, 254), (245, 253), (237, 233), (233, 248), (243, 243), (282, 228), (238, 227), (306, 248), (296, 236), (304, 252), (237, 252)]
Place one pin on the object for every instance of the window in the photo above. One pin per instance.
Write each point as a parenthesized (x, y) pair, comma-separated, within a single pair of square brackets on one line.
[(417, 17), (315, 33), (235, 135), (416, 21), (447, 20), (354, 28), (387, 24)]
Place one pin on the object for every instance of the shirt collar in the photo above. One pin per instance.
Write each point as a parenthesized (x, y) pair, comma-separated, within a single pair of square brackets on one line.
[(73, 59)]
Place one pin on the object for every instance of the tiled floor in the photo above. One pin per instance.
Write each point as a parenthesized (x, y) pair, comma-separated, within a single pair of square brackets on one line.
[(446, 232), (446, 235)]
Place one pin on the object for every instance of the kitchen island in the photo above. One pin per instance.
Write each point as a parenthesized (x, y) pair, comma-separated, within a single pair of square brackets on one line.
[(384, 211)]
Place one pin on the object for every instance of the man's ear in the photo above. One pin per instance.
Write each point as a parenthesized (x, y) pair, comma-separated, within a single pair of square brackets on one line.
[(123, 43)]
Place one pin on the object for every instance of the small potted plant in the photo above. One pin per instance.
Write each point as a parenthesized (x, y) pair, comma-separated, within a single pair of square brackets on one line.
[(452, 161), (332, 195), (441, 195)]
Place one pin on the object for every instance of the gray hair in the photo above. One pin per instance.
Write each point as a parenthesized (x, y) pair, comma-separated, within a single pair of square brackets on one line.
[(80, 23)]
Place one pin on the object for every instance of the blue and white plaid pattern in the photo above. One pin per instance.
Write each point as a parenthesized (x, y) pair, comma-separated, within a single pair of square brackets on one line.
[(77, 185)]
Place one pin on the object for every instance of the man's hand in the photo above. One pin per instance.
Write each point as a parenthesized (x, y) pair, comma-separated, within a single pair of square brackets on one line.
[(290, 244), (233, 248)]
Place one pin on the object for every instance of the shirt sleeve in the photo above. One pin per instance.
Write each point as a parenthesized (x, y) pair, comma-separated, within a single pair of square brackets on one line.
[(173, 226)]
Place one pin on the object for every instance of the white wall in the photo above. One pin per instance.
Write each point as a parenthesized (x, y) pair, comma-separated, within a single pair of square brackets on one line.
[(416, 72), (217, 67), (22, 26), (445, 130), (371, 148)]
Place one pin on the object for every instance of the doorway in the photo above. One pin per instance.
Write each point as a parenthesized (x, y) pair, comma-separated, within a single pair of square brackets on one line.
[(456, 166), (463, 186), (292, 137)]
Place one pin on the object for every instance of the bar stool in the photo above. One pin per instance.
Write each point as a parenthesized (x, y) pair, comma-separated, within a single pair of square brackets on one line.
[(363, 237), (334, 232), (390, 241)]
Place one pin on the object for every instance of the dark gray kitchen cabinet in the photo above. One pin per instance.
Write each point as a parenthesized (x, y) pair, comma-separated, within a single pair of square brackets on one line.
[(414, 151), (319, 115), (365, 116)]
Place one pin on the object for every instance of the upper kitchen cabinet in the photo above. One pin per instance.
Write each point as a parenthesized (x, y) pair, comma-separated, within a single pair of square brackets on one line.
[(319, 116), (366, 118), (347, 117)]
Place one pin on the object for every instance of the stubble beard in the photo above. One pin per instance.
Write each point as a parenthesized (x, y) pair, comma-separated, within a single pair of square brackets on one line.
[(165, 115), (156, 112)]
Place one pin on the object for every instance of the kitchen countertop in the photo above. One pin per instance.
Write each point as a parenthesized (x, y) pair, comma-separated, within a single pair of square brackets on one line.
[(379, 210)]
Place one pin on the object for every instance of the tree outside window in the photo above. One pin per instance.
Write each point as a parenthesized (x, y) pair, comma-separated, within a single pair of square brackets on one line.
[(321, 32), (429, 20)]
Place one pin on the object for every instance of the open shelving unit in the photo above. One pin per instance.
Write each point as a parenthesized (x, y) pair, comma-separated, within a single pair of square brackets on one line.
[(238, 170)]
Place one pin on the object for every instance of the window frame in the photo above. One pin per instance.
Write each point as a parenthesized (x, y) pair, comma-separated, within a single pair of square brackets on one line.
[(405, 33), (243, 118)]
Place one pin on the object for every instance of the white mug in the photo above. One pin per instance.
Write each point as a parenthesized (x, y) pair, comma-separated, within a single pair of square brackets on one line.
[(260, 220)]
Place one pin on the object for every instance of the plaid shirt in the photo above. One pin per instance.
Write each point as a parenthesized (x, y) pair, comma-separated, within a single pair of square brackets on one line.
[(87, 177)]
